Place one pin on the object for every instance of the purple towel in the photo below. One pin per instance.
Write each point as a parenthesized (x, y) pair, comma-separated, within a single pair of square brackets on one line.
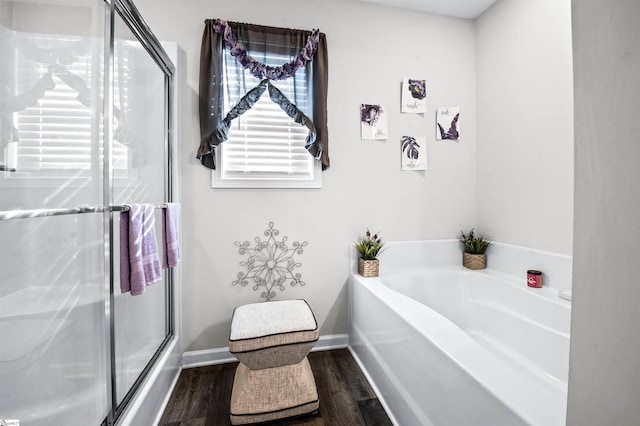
[(139, 260), (170, 235)]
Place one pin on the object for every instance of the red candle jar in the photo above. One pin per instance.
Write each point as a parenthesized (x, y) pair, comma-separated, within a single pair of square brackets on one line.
[(534, 278)]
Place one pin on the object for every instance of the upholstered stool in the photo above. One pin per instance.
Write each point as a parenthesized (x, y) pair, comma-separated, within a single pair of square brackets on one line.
[(273, 380)]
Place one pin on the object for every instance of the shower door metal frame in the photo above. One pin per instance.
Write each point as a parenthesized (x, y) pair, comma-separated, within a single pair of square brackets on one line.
[(130, 15)]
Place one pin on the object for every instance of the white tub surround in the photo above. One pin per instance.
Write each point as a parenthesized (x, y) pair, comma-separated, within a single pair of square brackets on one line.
[(445, 345)]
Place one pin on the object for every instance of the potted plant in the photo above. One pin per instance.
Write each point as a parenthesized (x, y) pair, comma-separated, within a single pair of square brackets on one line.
[(369, 247), (474, 248)]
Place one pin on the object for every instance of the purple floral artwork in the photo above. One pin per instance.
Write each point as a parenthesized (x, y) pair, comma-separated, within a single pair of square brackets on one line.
[(448, 118), (417, 88), (414, 153), (410, 147), (452, 133), (373, 121), (369, 114), (414, 96)]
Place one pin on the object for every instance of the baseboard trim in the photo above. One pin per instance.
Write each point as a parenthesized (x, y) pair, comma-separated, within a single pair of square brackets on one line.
[(331, 341), (192, 359)]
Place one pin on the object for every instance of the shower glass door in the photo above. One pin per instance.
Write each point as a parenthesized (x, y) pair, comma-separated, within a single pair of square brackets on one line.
[(140, 322), (83, 130), (53, 330)]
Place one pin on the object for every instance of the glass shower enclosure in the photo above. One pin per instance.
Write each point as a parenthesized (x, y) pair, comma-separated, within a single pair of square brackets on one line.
[(85, 129)]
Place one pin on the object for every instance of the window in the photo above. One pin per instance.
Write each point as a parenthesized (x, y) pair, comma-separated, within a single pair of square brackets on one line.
[(247, 138), (266, 148)]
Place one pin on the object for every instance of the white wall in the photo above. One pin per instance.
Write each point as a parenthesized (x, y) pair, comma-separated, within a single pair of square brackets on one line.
[(371, 48), (604, 379), (525, 124)]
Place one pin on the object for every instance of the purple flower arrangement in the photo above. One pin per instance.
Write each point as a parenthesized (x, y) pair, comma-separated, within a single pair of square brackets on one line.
[(258, 69), (369, 246)]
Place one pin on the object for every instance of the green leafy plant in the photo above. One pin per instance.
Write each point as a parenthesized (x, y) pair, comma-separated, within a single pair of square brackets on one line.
[(474, 244), (369, 246)]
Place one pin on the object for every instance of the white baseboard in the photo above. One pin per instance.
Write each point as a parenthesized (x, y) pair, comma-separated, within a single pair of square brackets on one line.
[(215, 356), (331, 341), (205, 357)]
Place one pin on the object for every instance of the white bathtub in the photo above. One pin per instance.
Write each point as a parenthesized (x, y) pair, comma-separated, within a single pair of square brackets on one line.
[(444, 345)]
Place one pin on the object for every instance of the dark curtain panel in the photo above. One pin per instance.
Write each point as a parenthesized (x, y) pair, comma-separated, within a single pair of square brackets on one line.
[(211, 93), (320, 67), (218, 68)]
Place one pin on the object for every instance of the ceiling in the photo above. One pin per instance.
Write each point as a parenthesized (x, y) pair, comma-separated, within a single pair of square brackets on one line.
[(469, 9)]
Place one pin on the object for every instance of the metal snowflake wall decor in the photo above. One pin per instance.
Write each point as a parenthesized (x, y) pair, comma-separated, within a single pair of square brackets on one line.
[(270, 263)]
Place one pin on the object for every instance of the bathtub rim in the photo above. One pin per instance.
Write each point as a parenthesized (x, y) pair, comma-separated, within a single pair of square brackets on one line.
[(502, 258)]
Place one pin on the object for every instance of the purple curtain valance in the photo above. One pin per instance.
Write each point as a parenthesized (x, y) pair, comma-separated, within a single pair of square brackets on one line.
[(257, 68)]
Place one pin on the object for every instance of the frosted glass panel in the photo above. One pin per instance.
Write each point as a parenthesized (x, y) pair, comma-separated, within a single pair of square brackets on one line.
[(52, 277), (139, 101), (51, 85), (52, 356)]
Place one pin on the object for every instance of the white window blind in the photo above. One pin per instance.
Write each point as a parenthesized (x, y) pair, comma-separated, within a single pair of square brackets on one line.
[(266, 148)]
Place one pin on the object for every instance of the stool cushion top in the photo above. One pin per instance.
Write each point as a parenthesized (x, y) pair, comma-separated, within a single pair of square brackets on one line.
[(271, 318)]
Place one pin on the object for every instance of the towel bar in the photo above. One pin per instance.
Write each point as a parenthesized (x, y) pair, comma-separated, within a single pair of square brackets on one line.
[(125, 207), (24, 214)]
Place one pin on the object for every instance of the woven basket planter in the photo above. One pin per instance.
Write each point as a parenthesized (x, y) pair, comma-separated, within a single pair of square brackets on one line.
[(474, 261), (368, 268)]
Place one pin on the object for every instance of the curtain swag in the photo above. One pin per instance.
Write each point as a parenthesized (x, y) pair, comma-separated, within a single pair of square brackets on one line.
[(258, 69), (248, 100)]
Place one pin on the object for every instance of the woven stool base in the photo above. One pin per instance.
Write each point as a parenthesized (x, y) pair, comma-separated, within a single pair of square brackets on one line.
[(277, 356), (273, 393)]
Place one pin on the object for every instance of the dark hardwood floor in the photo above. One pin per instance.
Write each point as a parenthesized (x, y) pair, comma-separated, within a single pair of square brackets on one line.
[(202, 395)]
